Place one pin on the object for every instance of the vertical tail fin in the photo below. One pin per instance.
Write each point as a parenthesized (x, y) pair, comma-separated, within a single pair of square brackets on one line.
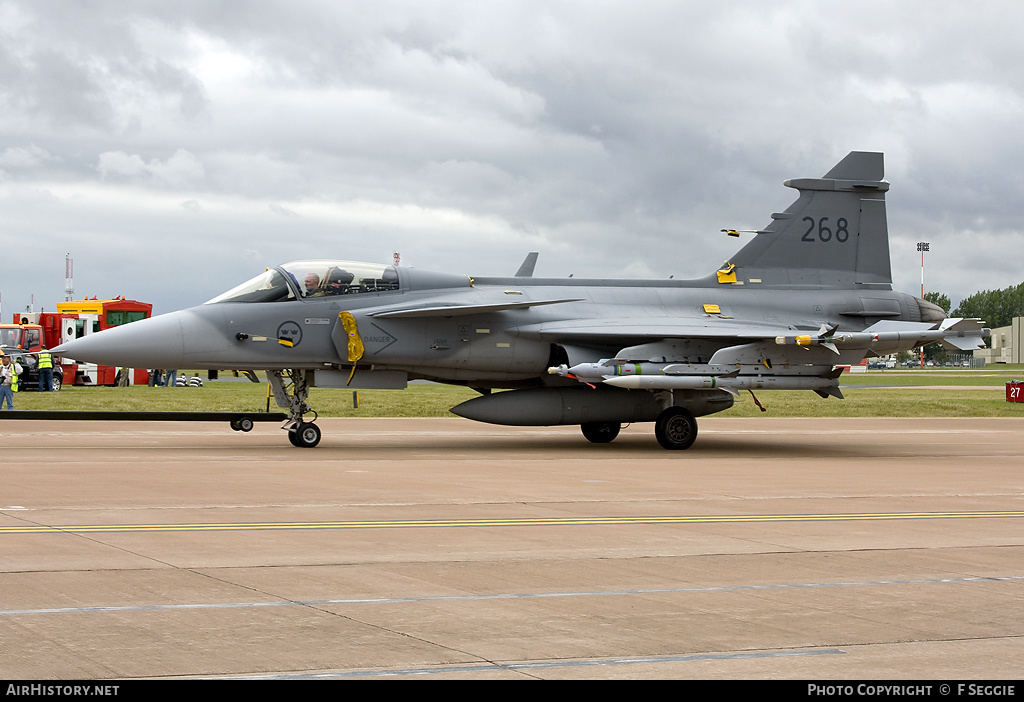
[(834, 235)]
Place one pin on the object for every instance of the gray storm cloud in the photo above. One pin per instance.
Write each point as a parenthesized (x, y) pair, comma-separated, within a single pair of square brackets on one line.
[(174, 150)]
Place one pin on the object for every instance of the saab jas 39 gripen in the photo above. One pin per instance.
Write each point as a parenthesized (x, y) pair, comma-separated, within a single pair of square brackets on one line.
[(810, 292)]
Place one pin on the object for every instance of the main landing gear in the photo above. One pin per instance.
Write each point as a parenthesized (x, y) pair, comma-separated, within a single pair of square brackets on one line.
[(675, 429), (290, 391), (600, 432)]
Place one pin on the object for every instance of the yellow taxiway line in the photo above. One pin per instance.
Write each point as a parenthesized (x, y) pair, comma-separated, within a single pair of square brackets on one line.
[(516, 522)]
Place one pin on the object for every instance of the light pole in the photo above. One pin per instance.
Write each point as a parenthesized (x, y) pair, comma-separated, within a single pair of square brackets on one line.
[(922, 246)]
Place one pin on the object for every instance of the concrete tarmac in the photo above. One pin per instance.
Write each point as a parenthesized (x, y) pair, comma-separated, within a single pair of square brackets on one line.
[(813, 549)]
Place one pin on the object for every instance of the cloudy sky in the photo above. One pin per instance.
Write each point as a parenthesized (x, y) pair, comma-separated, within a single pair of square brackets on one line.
[(177, 149)]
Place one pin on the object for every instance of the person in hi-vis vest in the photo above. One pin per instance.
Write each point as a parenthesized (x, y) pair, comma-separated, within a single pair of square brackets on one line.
[(45, 370), (9, 370)]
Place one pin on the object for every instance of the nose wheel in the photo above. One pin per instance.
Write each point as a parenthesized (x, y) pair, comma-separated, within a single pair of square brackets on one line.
[(304, 435)]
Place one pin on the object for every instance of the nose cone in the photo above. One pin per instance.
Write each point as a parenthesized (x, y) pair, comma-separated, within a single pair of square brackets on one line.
[(149, 343)]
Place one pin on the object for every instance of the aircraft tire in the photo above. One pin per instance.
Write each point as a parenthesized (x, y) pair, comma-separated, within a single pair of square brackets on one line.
[(676, 429), (305, 435), (244, 424), (600, 432)]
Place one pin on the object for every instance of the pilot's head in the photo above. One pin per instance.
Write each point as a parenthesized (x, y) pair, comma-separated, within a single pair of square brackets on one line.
[(312, 282)]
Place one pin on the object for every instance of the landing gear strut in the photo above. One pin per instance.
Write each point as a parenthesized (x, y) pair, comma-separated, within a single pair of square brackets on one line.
[(290, 391)]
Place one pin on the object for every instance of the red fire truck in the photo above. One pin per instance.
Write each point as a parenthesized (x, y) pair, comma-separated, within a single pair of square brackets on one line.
[(29, 332)]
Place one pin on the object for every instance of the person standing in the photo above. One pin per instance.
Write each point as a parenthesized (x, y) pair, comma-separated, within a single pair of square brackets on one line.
[(9, 370), (45, 370)]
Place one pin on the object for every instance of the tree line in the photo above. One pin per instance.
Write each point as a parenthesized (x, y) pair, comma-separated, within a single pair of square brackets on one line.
[(996, 307)]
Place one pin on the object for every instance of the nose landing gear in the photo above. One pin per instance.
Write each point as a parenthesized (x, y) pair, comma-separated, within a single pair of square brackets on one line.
[(290, 391)]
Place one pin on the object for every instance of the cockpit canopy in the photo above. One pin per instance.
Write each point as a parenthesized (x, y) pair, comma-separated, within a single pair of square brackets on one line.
[(305, 279)]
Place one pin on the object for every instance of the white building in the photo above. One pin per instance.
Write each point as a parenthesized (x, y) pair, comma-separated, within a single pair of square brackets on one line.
[(1007, 345)]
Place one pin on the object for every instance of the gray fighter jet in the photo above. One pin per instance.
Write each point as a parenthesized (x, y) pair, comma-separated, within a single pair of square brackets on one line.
[(811, 292)]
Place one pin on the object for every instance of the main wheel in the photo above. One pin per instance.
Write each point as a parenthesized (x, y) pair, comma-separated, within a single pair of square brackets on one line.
[(600, 432), (306, 435), (676, 428), (244, 424)]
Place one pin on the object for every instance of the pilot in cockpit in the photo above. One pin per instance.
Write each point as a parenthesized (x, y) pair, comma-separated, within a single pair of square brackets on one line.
[(312, 282)]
